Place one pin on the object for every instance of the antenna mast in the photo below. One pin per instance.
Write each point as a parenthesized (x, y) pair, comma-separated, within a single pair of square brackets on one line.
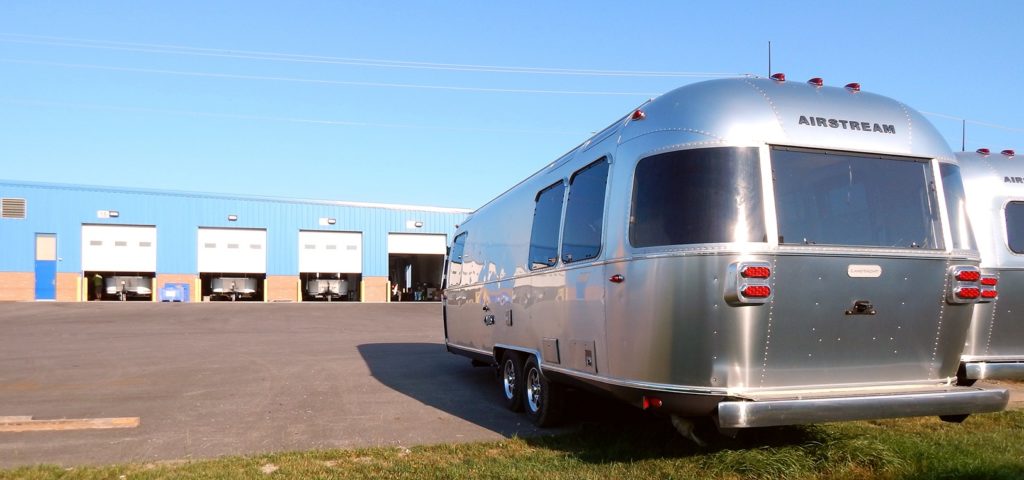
[(963, 135), (769, 58)]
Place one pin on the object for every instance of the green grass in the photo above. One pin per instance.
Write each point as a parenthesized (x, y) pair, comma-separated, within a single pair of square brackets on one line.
[(986, 446)]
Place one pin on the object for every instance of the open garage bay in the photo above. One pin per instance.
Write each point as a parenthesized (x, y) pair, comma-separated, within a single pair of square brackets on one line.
[(213, 379)]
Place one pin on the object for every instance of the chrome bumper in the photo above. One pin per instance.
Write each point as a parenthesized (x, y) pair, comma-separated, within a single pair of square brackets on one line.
[(795, 411), (994, 370)]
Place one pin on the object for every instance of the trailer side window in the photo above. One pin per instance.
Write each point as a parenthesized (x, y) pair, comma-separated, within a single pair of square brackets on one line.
[(455, 259), (544, 236), (584, 212), (1015, 226), (956, 203), (707, 195), (839, 198)]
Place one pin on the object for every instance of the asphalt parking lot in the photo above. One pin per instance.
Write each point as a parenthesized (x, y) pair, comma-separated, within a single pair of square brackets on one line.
[(218, 379), (207, 380)]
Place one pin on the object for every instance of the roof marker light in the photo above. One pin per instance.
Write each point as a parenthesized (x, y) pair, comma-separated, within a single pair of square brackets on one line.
[(855, 87), (984, 151), (779, 77), (816, 81), (1008, 152), (638, 115)]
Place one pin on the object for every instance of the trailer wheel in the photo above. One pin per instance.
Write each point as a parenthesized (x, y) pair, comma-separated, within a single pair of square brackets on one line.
[(543, 399), (511, 375)]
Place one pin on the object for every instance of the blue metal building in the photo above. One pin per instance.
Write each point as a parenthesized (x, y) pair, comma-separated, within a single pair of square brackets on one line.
[(44, 223)]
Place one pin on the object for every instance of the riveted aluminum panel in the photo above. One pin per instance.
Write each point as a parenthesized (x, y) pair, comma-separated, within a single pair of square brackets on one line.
[(997, 331)]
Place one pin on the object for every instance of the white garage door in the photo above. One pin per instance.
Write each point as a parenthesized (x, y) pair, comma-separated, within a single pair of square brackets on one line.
[(118, 248), (232, 250), (330, 252), (417, 243)]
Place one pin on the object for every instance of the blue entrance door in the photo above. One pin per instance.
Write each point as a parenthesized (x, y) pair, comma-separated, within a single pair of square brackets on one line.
[(46, 266)]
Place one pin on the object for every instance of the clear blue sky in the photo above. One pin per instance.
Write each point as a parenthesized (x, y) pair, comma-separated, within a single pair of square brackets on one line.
[(340, 100)]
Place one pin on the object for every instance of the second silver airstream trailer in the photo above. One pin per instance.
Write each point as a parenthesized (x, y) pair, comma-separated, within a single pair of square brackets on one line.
[(994, 184), (753, 250)]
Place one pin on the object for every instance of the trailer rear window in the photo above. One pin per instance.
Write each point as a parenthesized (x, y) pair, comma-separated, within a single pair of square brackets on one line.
[(1015, 226), (707, 195), (830, 198)]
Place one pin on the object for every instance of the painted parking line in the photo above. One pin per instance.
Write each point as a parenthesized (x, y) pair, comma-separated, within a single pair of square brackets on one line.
[(27, 424)]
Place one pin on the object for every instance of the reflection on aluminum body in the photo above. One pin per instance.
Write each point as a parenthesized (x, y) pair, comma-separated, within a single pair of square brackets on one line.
[(754, 263), (994, 348)]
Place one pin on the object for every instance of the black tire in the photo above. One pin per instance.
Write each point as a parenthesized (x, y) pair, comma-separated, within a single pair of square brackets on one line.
[(542, 398), (510, 377)]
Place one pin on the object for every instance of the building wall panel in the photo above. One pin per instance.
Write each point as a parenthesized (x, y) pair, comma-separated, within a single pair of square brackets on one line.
[(63, 209)]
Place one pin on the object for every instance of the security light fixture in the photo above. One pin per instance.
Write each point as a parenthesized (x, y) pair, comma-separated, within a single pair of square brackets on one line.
[(331, 221), (114, 214), (232, 218)]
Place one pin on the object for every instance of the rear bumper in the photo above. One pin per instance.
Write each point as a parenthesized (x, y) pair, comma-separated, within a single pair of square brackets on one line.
[(795, 411), (994, 370)]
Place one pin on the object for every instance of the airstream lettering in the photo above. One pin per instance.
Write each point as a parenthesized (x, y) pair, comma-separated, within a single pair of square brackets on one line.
[(994, 348), (709, 256), (847, 124)]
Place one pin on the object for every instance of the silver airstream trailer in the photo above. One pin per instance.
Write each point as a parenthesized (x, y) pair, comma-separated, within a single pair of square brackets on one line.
[(994, 185), (753, 250)]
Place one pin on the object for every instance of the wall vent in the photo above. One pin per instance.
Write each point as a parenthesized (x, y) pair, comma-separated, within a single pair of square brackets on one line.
[(12, 208)]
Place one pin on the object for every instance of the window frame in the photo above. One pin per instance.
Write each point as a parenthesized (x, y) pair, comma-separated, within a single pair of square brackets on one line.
[(1006, 226), (448, 274), (761, 196), (604, 209), (558, 235), (934, 177)]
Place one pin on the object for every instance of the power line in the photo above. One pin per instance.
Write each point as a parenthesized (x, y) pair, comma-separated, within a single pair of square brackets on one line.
[(974, 122), (236, 116), (322, 81), (367, 62)]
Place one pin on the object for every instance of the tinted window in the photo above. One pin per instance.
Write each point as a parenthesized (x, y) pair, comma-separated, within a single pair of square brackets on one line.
[(829, 198), (956, 203), (1015, 226), (455, 259), (584, 213), (546, 218), (708, 195)]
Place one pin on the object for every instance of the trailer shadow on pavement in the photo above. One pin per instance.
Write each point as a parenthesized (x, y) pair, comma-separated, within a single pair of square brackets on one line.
[(473, 394)]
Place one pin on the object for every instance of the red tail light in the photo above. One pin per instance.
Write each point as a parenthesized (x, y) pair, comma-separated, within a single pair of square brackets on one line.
[(756, 291), (989, 281), (755, 272), (968, 275), (989, 294), (967, 293)]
